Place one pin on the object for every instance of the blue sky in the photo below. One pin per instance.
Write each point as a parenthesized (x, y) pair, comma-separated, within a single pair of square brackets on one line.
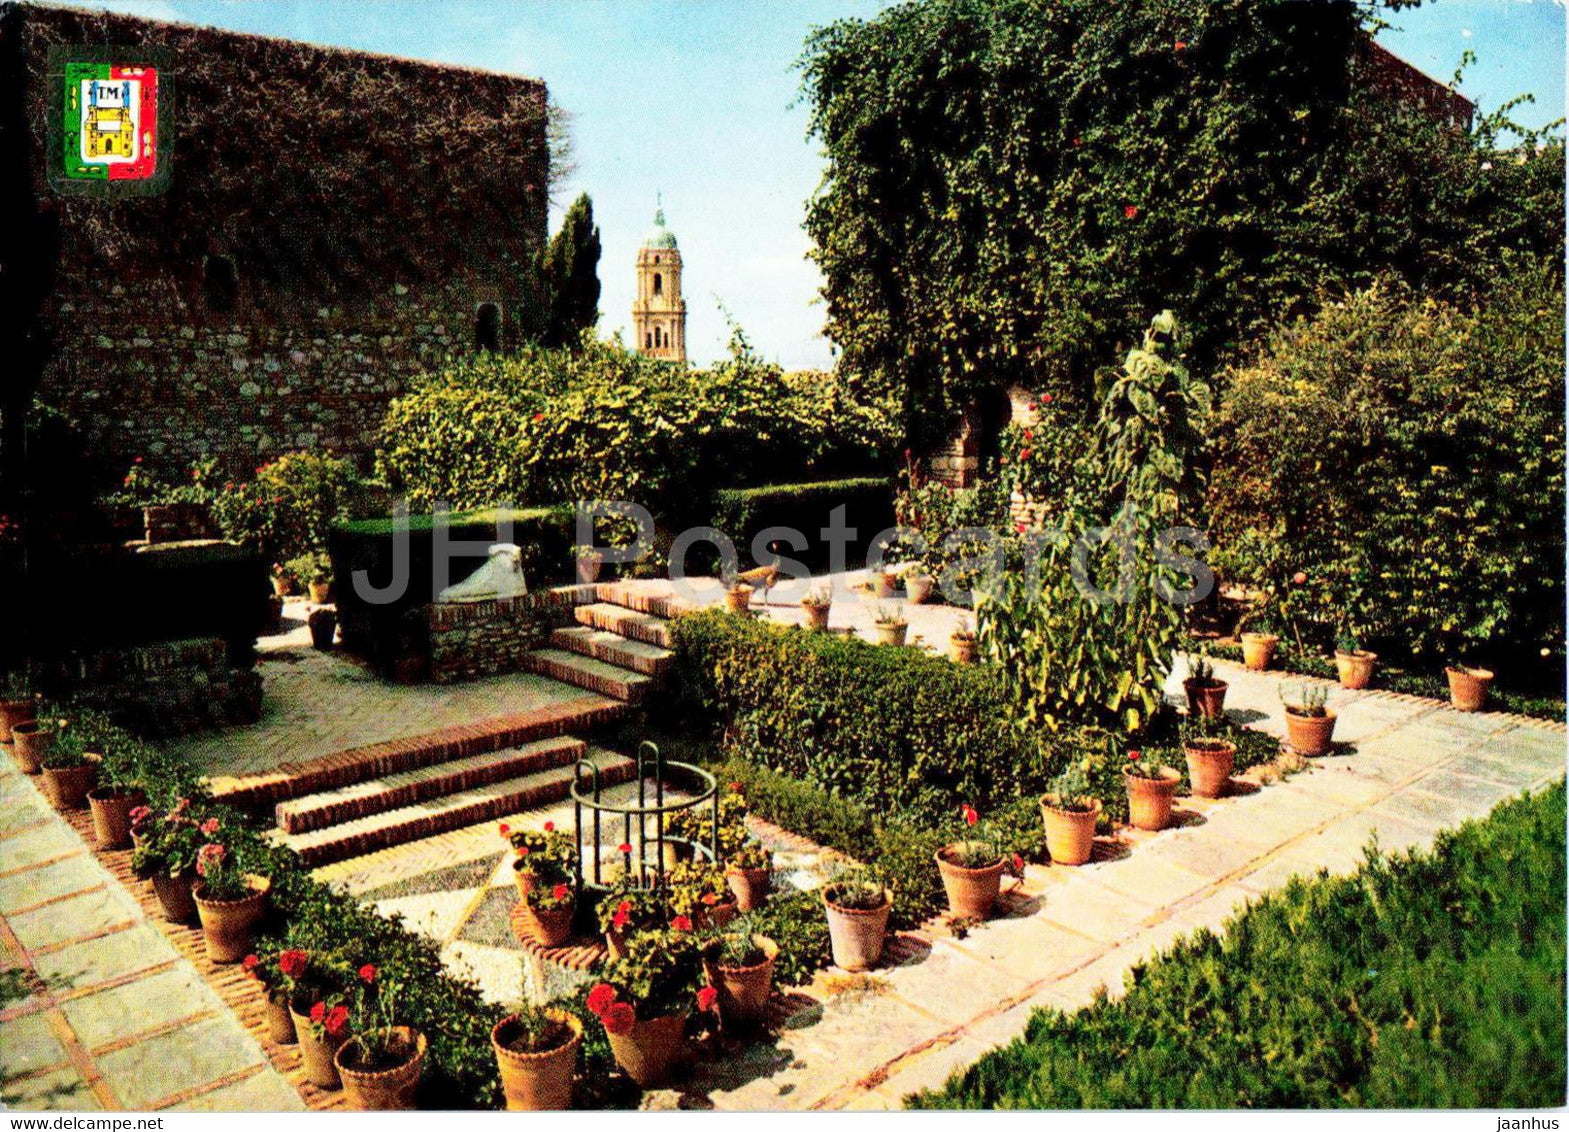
[(693, 98)]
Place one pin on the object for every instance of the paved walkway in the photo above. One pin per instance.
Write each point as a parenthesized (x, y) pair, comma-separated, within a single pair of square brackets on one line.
[(1418, 767), (117, 1017)]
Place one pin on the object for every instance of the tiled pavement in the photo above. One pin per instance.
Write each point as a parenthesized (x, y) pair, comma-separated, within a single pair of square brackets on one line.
[(117, 1017)]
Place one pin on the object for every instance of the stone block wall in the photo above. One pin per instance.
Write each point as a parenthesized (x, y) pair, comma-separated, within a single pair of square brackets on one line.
[(482, 638)]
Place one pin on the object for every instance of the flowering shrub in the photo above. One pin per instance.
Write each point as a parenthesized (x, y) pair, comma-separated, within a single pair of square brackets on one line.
[(169, 844), (549, 854), (291, 505), (629, 908)]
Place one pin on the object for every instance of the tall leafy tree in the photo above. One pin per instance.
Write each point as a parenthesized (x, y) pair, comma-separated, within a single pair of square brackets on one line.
[(571, 275), (1012, 186)]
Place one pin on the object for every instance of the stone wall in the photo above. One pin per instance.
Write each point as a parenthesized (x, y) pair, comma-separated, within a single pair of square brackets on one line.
[(481, 638)]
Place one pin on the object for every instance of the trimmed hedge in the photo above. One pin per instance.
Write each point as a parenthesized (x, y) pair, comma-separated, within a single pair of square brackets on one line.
[(741, 513), (1426, 980)]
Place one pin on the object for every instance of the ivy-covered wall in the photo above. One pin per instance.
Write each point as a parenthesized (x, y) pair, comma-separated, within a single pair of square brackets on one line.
[(336, 222)]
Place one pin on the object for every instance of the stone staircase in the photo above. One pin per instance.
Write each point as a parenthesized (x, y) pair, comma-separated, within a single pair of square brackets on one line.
[(365, 799)]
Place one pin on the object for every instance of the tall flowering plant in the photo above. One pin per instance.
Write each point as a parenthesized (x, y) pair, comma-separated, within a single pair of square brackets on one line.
[(979, 846)]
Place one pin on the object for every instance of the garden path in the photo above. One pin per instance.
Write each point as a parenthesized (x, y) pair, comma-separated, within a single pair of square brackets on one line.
[(115, 1016)]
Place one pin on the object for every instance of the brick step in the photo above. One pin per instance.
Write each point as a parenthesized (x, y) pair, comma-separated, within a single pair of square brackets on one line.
[(625, 622), (440, 815), (650, 596), (393, 791), (586, 672), (397, 756), (650, 660)]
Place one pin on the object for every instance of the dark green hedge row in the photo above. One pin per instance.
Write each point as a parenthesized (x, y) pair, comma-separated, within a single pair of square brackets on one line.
[(1434, 686), (741, 513), (1429, 980)]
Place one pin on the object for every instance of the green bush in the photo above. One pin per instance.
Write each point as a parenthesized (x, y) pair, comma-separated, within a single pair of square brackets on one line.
[(290, 507), (741, 513), (1404, 458), (1429, 980), (1011, 186), (605, 423)]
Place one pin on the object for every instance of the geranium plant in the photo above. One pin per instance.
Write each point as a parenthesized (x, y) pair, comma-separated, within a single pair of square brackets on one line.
[(1070, 790), (222, 875), (629, 908), (549, 854), (696, 886), (978, 848), (660, 975), (166, 845), (1145, 764)]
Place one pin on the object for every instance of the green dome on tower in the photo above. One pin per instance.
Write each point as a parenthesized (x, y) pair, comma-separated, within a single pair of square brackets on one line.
[(659, 236)]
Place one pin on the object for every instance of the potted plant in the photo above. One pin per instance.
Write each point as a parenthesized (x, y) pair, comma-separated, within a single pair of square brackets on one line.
[(229, 900), (643, 1002), (1070, 813), (551, 906), (971, 869), (858, 906), (1259, 642), (816, 604), (629, 908), (749, 871), (282, 580), (165, 854), (70, 770), (889, 625), (961, 645), (320, 1013), (17, 705), (111, 803), (590, 560), (1468, 686), (277, 969), (699, 891), (1206, 692), (917, 584), (324, 627), (540, 856), (739, 965), (30, 741), (738, 597), (1354, 665), (1151, 787), (882, 583), (1310, 725), (380, 1064), (536, 1051), (1210, 756), (315, 570)]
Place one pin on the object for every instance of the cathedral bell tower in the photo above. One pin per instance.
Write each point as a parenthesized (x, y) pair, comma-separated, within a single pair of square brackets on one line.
[(659, 311)]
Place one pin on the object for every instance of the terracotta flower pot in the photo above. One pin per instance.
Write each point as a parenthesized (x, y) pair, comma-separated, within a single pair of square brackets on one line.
[(588, 566), (280, 1022), (1258, 649), (616, 943), (227, 924), (1355, 668), (1149, 799), (382, 1090), (1468, 687), (857, 934), (320, 592), (13, 712), (316, 1052), (744, 991), (961, 650), (917, 588), (1206, 698), (67, 786), (971, 892), (29, 742), (111, 807), (174, 893), (750, 886), (650, 1051), (1070, 834), (537, 1082), (1310, 735), (882, 585), (738, 599), (713, 915), (324, 628), (816, 617), (1209, 767), (552, 927), (889, 634)]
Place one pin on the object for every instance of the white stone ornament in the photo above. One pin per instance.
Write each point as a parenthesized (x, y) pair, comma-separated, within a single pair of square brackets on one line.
[(500, 576)]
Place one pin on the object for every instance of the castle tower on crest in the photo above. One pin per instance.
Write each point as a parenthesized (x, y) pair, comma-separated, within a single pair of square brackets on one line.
[(659, 311)]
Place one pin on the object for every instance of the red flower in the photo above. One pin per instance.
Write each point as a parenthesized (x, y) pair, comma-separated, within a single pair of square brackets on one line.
[(970, 816), (1130, 211), (1045, 398), (550, 827), (1019, 527), (250, 962), (538, 417), (710, 899), (141, 814), (337, 1019), (622, 916), (368, 974), (210, 826), (138, 460), (623, 848), (1028, 435), (619, 1018), (1180, 45), (292, 963), (1018, 862), (707, 998), (318, 1012), (681, 924), (1077, 142), (522, 850), (1299, 578), (504, 829), (735, 788), (600, 998), (1133, 756), (1025, 454), (560, 892), (1001, 460)]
